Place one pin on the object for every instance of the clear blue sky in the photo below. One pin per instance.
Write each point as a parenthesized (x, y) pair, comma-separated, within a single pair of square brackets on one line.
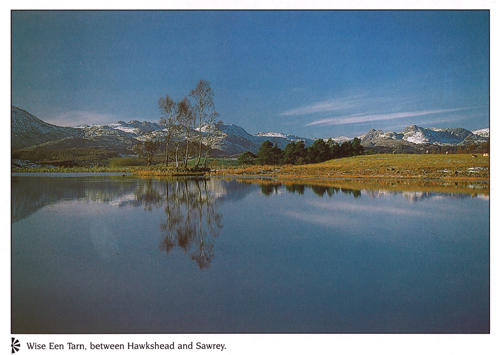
[(314, 74)]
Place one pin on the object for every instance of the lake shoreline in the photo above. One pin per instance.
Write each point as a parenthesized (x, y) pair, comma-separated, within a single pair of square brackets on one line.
[(380, 166), (230, 175)]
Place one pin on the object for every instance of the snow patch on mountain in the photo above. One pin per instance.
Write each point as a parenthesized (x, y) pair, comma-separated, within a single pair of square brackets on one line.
[(135, 128), (485, 132), (339, 140), (270, 134)]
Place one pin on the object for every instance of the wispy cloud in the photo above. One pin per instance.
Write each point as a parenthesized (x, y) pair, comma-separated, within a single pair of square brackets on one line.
[(365, 117), (387, 106), (324, 106)]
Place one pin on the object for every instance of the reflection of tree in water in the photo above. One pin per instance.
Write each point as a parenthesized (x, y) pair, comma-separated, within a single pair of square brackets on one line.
[(147, 196), (298, 188), (192, 223), (354, 193), (270, 188), (204, 252)]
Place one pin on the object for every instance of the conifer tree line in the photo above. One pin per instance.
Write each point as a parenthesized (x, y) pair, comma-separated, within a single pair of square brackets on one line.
[(190, 127), (296, 153)]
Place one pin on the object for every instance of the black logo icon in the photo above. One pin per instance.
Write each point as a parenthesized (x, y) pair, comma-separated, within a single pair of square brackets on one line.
[(15, 345)]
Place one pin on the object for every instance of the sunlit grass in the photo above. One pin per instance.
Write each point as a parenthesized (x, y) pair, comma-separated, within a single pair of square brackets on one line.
[(423, 166)]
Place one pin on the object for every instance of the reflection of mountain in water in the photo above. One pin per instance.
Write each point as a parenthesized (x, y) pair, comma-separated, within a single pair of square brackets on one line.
[(415, 196), (30, 193)]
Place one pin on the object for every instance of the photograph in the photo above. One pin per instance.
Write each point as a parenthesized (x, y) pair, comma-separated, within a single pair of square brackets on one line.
[(216, 172)]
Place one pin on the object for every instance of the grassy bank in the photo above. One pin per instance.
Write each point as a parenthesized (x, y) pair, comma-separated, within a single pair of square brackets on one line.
[(399, 166), (406, 166)]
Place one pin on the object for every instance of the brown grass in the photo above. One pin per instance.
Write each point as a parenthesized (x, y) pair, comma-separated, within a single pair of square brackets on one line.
[(405, 166)]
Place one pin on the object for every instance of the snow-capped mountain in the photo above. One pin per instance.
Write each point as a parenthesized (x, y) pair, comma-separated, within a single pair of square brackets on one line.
[(427, 136), (485, 132), (134, 127), (29, 132), (340, 139), (419, 135)]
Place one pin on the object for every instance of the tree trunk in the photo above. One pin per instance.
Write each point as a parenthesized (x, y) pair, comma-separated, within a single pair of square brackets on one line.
[(206, 159), (187, 154), (199, 151)]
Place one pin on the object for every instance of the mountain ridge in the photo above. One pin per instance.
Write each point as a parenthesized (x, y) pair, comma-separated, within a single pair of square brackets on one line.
[(30, 132)]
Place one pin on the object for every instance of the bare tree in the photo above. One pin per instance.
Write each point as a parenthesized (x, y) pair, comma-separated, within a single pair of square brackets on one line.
[(204, 110), (186, 118), (169, 121)]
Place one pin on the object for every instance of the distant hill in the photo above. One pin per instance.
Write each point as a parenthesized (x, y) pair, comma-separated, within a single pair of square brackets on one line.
[(29, 132)]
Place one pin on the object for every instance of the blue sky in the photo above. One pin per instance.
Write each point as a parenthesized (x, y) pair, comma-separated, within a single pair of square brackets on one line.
[(314, 74)]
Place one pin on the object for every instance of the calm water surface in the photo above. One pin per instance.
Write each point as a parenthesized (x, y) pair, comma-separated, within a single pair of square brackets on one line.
[(114, 254)]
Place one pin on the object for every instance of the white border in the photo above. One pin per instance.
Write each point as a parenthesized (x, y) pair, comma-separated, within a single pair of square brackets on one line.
[(264, 343)]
